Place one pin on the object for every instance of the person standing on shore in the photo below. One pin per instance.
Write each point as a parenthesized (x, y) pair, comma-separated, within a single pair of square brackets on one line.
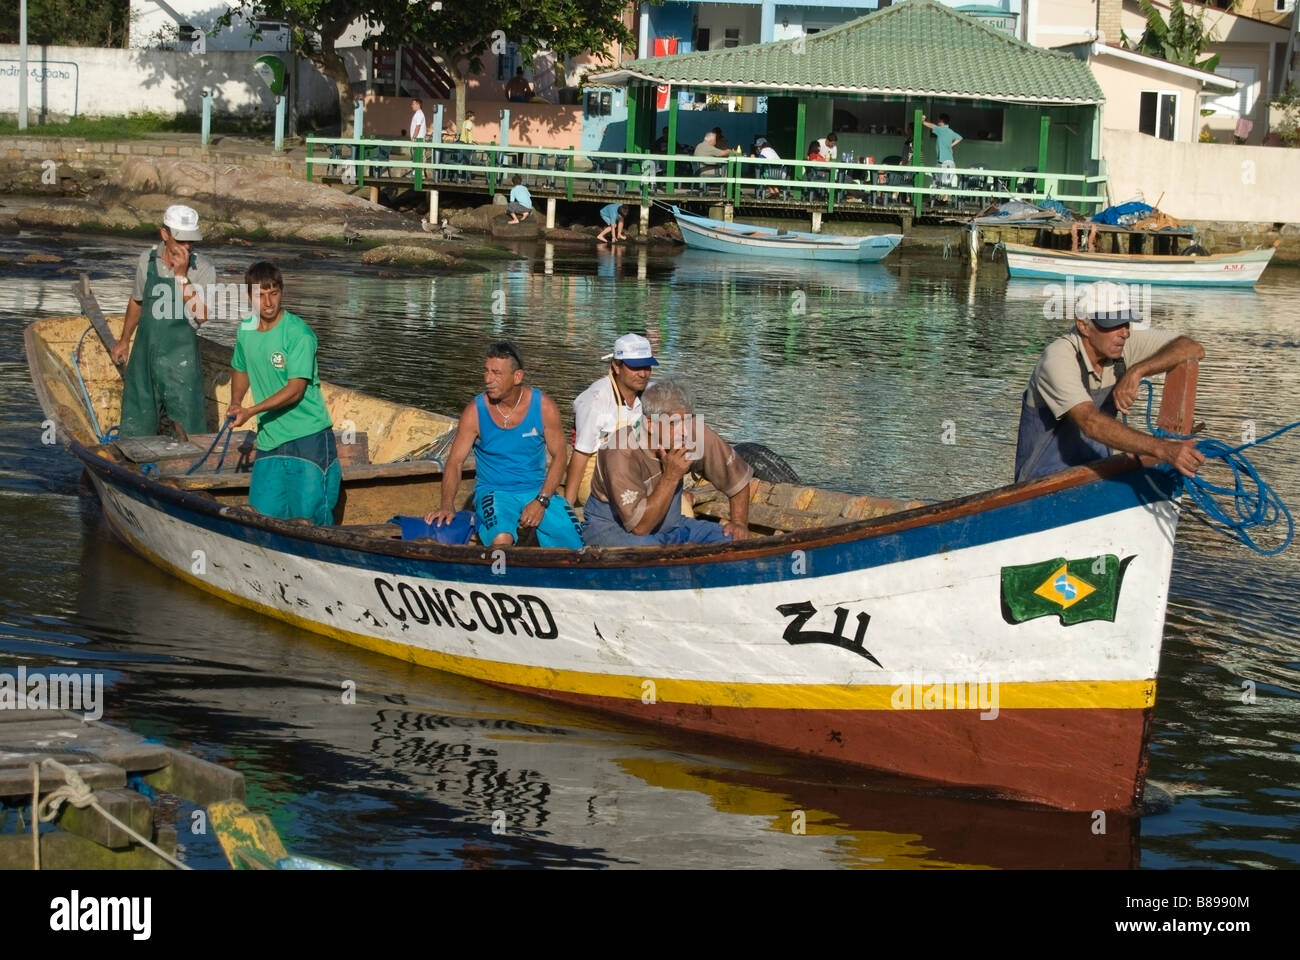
[(164, 373)]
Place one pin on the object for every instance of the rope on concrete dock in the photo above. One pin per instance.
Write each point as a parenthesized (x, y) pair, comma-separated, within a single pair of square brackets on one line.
[(78, 793)]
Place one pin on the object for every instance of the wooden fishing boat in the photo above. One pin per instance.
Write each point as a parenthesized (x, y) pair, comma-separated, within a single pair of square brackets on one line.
[(703, 233), (1240, 269), (1006, 641)]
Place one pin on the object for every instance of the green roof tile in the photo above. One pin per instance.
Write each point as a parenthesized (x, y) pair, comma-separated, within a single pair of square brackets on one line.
[(917, 48)]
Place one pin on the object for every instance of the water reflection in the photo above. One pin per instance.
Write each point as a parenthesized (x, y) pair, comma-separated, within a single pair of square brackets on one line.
[(854, 391)]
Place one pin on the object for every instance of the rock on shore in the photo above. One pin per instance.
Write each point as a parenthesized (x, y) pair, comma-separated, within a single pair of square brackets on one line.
[(232, 202)]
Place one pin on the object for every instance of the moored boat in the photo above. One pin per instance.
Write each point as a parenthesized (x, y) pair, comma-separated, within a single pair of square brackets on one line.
[(704, 233), (1006, 642), (1241, 269)]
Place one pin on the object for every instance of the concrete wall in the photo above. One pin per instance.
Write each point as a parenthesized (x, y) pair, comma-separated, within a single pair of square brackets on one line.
[(78, 165), (94, 81), (531, 124), (1059, 22), (1204, 181)]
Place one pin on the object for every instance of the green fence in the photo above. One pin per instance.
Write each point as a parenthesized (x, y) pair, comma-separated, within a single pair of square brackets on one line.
[(643, 177)]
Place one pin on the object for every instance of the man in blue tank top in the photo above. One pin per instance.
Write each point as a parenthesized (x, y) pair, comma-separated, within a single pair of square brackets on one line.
[(511, 428), (1083, 379)]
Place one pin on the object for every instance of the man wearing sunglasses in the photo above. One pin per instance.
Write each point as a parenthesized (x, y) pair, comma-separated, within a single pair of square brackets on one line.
[(612, 402), (512, 429), (1083, 380)]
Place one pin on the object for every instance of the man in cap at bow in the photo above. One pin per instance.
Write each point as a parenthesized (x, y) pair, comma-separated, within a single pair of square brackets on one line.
[(611, 402), (164, 373), (1082, 380)]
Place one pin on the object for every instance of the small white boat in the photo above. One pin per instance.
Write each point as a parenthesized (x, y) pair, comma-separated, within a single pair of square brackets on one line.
[(704, 233), (1240, 269)]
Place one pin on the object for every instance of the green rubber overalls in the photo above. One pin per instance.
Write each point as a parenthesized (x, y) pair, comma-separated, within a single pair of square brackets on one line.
[(164, 372)]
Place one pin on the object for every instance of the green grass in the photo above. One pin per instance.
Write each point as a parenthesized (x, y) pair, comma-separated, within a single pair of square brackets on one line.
[(134, 127)]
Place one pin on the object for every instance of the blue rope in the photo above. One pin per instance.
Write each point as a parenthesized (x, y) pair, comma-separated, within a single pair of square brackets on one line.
[(228, 430), (105, 436), (1255, 503)]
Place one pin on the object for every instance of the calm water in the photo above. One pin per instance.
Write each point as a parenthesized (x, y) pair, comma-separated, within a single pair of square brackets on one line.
[(853, 375)]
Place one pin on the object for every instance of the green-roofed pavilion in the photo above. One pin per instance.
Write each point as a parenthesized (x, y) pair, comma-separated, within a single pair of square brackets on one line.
[(1015, 105)]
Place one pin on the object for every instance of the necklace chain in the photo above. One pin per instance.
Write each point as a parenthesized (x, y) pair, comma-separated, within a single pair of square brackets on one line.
[(506, 417)]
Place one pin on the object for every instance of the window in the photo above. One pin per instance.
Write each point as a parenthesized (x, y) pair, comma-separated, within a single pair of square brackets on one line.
[(1283, 6), (1241, 103), (1158, 114), (702, 38), (731, 37), (597, 103)]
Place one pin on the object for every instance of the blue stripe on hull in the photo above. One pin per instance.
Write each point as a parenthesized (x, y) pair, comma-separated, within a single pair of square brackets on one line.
[(1084, 502), (1027, 273)]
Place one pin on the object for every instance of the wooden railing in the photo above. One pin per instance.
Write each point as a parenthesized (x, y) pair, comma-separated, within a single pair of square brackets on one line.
[(643, 177)]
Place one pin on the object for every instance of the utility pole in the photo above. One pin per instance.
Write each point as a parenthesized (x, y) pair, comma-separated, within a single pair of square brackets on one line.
[(1287, 71), (22, 64)]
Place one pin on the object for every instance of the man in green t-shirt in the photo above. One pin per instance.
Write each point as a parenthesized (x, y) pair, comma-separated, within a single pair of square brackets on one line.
[(296, 473)]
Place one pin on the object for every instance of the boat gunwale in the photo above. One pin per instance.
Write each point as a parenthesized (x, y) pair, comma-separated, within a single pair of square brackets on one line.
[(620, 557), (817, 239), (1248, 256), (597, 558)]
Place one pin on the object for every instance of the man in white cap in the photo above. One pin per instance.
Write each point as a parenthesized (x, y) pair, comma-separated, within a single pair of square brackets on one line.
[(166, 307), (611, 402)]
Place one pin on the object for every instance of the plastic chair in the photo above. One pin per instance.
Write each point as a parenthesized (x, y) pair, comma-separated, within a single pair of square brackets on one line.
[(814, 175), (972, 181)]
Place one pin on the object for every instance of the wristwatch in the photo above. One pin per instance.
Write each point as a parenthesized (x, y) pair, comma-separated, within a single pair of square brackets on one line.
[(544, 499)]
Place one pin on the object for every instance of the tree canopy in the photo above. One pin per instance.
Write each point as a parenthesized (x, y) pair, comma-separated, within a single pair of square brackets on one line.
[(1182, 39), (72, 23)]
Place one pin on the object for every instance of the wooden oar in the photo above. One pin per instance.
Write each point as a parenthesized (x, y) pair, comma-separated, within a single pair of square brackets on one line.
[(90, 307)]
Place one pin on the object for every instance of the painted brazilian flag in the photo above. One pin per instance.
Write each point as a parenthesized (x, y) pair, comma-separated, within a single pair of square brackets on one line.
[(1074, 590)]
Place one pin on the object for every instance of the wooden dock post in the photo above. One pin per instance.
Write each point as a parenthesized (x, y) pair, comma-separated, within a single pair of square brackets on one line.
[(645, 220), (550, 213), (104, 758), (433, 208), (816, 221)]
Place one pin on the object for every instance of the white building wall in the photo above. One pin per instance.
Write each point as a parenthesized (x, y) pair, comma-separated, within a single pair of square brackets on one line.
[(1204, 181), (106, 82)]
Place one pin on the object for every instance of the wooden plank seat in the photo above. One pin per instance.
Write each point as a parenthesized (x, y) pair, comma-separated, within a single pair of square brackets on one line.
[(228, 479)]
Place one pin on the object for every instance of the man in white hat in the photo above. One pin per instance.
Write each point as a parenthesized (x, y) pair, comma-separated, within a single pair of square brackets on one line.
[(166, 307), (611, 402)]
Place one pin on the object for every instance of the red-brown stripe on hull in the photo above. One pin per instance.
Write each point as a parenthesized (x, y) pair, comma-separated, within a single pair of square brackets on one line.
[(1072, 759)]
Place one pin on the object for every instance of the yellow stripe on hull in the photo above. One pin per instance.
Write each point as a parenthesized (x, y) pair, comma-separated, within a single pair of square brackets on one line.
[(1043, 695)]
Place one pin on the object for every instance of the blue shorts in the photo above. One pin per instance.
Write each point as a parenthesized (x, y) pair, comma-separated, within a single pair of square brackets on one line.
[(499, 510), (602, 529)]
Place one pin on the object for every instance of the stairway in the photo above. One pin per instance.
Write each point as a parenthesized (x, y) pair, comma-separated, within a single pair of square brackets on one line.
[(421, 75)]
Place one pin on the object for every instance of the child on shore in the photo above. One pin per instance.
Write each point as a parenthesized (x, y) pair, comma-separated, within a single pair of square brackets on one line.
[(613, 215), (520, 204)]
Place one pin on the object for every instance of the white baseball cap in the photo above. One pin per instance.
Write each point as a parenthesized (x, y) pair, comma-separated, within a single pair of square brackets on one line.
[(633, 350), (183, 222)]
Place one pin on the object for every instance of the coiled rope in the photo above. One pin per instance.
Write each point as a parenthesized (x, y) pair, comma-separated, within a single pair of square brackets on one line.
[(1250, 498)]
